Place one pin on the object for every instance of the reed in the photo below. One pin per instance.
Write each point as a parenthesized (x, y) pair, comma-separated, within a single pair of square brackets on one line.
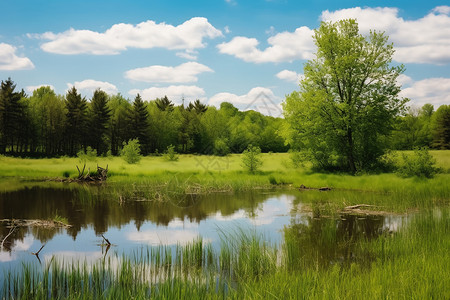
[(410, 263)]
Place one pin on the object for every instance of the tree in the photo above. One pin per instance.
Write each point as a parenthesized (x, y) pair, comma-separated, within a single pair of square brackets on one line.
[(441, 127), (131, 151), (11, 116), (139, 124), (250, 159), (347, 101), (76, 121), (100, 114), (164, 104)]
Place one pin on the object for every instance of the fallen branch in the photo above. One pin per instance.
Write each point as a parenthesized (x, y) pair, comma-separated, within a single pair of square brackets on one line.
[(37, 253), (106, 240), (10, 232), (358, 206)]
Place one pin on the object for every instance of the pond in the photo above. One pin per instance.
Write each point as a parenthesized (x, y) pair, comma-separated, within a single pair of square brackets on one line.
[(135, 223)]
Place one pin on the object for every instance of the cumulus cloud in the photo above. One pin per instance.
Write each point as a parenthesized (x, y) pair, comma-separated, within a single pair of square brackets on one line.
[(404, 80), (88, 86), (425, 40), (290, 76), (119, 37), (32, 88), (259, 99), (186, 72), (431, 90), (9, 61), (284, 46), (173, 92)]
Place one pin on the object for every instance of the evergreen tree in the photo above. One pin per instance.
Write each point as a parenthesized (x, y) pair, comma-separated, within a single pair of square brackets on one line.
[(76, 125), (441, 128), (164, 104), (11, 116), (100, 114), (139, 124)]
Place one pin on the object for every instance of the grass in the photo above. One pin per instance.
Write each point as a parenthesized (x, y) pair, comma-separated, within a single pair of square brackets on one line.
[(411, 263)]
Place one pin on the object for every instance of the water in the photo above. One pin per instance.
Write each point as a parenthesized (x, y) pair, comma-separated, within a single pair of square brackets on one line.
[(135, 223)]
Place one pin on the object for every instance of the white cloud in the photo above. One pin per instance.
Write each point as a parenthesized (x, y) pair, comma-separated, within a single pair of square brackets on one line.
[(290, 76), (9, 61), (186, 72), (284, 46), (425, 40), (404, 80), (163, 237), (120, 37), (173, 92), (258, 99), (442, 9), (32, 88), (432, 90), (227, 29), (88, 86), (190, 55)]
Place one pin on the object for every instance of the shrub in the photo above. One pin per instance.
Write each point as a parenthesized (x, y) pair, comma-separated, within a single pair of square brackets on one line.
[(250, 159), (221, 147), (420, 164), (88, 155), (131, 151), (171, 154)]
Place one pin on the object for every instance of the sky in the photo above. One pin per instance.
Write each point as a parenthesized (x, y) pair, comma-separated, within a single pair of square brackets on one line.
[(215, 50)]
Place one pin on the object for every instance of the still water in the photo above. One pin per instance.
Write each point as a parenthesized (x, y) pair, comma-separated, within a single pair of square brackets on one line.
[(134, 223)]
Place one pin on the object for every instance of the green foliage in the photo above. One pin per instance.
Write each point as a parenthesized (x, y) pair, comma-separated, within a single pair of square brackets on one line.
[(441, 128), (297, 158), (339, 118), (251, 160), (131, 151), (88, 155), (420, 164), (171, 154), (99, 114), (76, 125), (221, 147)]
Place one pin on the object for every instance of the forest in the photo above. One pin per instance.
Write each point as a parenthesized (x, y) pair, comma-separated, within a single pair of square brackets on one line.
[(46, 124)]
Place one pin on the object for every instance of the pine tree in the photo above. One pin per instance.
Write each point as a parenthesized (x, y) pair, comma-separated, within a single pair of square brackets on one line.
[(139, 124), (76, 121), (99, 118), (11, 113)]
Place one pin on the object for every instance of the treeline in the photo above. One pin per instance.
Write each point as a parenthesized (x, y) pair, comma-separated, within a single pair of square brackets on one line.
[(422, 127), (47, 124)]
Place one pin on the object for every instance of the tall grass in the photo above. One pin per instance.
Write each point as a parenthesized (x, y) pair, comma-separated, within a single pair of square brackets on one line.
[(411, 263)]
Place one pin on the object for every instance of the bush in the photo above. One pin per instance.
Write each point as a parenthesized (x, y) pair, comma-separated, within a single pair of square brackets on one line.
[(131, 151), (89, 155), (221, 147), (171, 154), (420, 164), (250, 159)]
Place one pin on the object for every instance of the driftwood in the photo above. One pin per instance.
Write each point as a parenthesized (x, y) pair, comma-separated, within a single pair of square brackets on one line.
[(322, 189), (34, 223), (101, 175), (10, 232)]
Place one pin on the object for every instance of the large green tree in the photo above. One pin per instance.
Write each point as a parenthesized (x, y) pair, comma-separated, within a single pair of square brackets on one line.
[(100, 114), (441, 127), (76, 128), (348, 99), (139, 124)]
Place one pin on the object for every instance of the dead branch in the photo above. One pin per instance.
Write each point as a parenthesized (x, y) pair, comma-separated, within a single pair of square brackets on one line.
[(10, 232), (106, 240), (358, 206), (37, 253)]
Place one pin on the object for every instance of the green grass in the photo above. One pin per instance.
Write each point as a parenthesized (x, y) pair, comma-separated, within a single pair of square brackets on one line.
[(411, 263), (158, 179)]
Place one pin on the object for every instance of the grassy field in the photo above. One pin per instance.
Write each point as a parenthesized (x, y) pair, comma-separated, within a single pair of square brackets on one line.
[(204, 174)]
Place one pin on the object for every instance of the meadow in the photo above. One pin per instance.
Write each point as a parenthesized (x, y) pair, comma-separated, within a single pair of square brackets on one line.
[(202, 174)]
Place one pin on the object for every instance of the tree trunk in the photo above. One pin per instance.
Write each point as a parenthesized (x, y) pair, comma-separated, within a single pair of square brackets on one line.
[(350, 155)]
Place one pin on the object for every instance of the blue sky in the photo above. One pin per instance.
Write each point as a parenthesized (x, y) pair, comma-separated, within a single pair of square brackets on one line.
[(224, 50)]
